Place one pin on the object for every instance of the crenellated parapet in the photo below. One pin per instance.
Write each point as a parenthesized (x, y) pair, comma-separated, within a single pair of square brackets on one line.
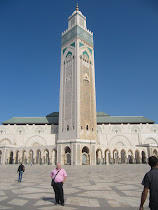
[(77, 27)]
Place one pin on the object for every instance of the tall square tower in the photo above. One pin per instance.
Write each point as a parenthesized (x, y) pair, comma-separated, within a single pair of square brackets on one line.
[(77, 113)]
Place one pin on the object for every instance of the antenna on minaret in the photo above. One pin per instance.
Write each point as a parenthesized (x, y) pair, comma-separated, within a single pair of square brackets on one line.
[(77, 9)]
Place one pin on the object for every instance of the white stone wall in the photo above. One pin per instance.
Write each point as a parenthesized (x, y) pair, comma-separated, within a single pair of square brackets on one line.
[(115, 144), (28, 135), (135, 141), (77, 18), (127, 135)]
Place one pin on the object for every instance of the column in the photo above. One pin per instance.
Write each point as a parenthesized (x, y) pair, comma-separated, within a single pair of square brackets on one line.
[(73, 154), (78, 154), (59, 154), (93, 155), (107, 157)]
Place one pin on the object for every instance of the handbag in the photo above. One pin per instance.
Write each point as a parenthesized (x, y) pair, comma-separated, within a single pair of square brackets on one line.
[(52, 182)]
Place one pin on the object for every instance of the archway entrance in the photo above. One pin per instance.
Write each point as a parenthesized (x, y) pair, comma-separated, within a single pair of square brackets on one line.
[(137, 157), (17, 157), (67, 160), (31, 160), (24, 159), (115, 156), (130, 157), (107, 157), (85, 156), (123, 156), (46, 157), (38, 157), (143, 157), (11, 158), (99, 157)]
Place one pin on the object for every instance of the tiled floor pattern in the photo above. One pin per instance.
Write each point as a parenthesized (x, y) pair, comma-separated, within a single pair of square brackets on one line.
[(107, 187)]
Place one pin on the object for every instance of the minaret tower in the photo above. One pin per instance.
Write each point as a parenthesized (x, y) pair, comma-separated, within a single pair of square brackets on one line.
[(77, 113)]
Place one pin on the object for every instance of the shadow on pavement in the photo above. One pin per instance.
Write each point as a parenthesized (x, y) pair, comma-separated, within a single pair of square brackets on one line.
[(52, 200)]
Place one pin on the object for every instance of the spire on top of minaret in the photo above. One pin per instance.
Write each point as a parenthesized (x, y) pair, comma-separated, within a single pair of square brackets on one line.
[(77, 18), (77, 9)]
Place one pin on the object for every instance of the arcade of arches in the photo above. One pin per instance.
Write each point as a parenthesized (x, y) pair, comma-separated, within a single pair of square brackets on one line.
[(122, 156), (31, 156), (107, 156)]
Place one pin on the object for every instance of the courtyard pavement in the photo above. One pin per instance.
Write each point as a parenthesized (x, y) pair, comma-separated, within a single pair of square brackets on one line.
[(107, 187)]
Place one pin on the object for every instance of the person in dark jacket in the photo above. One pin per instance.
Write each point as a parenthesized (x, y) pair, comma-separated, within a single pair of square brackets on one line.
[(150, 183), (21, 169)]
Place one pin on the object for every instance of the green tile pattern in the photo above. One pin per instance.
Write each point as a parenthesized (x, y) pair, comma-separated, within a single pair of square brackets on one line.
[(90, 50), (85, 53), (73, 44), (77, 31), (64, 50), (69, 53), (80, 44)]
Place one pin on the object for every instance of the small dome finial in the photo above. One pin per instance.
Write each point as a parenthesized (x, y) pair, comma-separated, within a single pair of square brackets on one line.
[(77, 9)]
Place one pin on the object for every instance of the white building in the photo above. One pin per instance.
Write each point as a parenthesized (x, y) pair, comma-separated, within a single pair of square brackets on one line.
[(78, 135)]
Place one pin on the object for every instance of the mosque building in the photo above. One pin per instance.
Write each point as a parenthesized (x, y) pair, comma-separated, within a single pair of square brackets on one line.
[(77, 134)]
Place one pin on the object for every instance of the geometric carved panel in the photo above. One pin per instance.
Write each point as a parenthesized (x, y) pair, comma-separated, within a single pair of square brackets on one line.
[(150, 141), (35, 140), (5, 142), (120, 141)]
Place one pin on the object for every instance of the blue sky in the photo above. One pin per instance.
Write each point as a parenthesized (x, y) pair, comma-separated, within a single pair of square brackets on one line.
[(126, 55)]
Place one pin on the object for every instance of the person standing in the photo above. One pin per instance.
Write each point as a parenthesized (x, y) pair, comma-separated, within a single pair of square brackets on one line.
[(150, 182), (59, 175), (21, 169)]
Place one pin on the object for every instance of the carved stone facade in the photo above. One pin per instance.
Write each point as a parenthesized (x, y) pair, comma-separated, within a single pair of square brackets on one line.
[(124, 143), (77, 119), (87, 95)]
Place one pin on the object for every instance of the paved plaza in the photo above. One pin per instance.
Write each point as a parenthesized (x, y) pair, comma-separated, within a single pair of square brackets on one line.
[(87, 187)]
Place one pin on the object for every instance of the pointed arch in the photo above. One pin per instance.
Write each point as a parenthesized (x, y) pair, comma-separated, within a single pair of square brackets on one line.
[(35, 141), (85, 156), (38, 157), (123, 156), (46, 156), (99, 156), (24, 156), (120, 139), (130, 156), (107, 156), (11, 157), (31, 157), (137, 156), (85, 53), (67, 159), (151, 141), (155, 153), (143, 157), (5, 141), (69, 53), (115, 156)]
